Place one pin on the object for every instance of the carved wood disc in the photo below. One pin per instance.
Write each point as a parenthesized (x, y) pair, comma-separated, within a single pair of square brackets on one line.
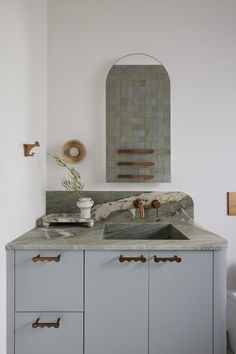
[(73, 151)]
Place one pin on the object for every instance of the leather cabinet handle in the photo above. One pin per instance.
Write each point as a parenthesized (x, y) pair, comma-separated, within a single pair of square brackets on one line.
[(46, 259), (141, 259), (167, 259), (38, 324)]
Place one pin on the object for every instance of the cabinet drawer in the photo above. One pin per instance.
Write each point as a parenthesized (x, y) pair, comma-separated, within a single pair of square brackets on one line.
[(49, 284), (67, 338)]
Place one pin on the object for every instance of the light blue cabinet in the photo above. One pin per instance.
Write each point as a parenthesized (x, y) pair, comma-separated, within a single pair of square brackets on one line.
[(180, 303), (45, 305), (157, 307), (52, 284), (116, 303), (66, 339)]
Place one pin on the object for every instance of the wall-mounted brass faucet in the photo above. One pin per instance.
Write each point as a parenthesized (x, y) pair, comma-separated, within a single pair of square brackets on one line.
[(140, 204), (29, 147)]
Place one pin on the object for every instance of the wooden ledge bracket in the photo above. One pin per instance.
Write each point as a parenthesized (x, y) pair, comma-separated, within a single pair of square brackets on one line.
[(136, 176), (29, 147), (136, 151), (136, 163)]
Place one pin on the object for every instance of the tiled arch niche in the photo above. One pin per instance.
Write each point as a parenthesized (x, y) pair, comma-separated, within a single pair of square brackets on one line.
[(138, 121)]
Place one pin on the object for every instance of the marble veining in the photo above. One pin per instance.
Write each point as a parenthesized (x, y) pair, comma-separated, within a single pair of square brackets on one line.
[(66, 218), (118, 206), (148, 231), (81, 238), (112, 208), (102, 211)]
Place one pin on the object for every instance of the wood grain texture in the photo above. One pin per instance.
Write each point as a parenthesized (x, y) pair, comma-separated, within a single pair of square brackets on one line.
[(136, 163), (66, 151), (136, 151), (231, 203), (136, 176)]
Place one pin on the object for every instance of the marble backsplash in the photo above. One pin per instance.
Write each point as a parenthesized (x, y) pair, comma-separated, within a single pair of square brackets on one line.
[(116, 206)]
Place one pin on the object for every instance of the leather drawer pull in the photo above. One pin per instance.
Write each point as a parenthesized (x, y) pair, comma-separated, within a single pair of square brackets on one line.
[(38, 324), (46, 259), (132, 259), (167, 259)]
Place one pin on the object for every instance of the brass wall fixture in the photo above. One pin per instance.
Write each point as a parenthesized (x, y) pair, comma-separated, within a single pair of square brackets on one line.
[(167, 259), (46, 259), (38, 324), (139, 204), (29, 147), (141, 259)]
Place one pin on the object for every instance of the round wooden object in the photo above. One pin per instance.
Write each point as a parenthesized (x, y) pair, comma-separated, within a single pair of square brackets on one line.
[(73, 151)]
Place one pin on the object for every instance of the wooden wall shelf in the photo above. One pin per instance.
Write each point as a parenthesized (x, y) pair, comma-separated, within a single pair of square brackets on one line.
[(136, 151), (136, 163), (137, 176)]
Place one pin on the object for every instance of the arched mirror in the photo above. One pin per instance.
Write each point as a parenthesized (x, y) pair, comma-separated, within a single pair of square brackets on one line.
[(138, 121)]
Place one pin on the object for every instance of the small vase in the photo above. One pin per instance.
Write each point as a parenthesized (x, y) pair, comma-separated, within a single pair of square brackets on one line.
[(85, 205)]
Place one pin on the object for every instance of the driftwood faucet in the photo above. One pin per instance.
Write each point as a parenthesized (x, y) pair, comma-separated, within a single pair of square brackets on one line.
[(139, 204)]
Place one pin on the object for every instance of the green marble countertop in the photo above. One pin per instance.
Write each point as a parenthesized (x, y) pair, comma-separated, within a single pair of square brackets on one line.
[(82, 238)]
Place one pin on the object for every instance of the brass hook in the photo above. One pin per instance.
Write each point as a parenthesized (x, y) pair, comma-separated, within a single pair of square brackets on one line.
[(29, 147)]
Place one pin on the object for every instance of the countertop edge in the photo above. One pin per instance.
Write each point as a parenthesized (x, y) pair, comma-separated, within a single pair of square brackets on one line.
[(55, 238), (195, 247)]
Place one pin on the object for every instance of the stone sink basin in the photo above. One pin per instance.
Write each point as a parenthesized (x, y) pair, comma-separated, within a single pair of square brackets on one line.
[(144, 231)]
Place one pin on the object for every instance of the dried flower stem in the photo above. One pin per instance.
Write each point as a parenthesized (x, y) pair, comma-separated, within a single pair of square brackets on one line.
[(72, 183)]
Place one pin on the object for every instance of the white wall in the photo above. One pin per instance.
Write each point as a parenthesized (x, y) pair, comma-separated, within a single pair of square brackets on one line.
[(195, 40), (85, 38), (22, 120)]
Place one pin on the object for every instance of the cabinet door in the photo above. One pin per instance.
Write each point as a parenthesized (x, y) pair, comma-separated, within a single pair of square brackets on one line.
[(49, 285), (66, 339), (116, 303), (180, 303)]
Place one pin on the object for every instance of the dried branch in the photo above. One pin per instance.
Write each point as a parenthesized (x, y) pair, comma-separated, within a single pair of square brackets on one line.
[(72, 182)]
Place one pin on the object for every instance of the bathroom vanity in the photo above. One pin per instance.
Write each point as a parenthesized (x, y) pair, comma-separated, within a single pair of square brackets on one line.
[(128, 285), (91, 294)]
